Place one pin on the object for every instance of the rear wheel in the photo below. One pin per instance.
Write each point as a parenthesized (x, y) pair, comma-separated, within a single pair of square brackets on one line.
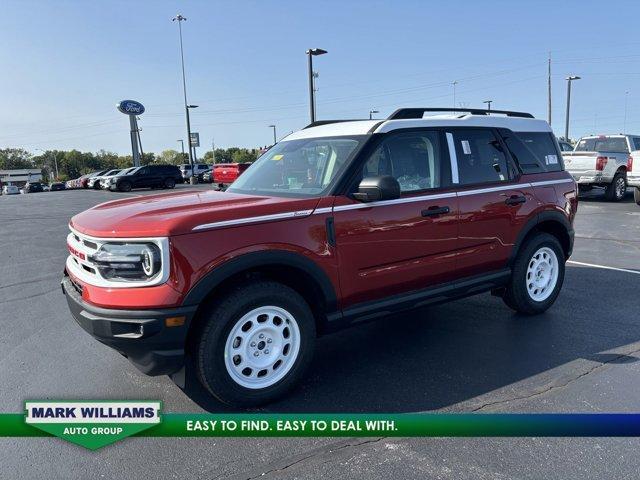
[(169, 183), (537, 277), (617, 188), (256, 344), (124, 186), (636, 195)]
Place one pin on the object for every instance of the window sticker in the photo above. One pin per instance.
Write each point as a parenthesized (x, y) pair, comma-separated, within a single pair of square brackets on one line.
[(466, 148), (277, 157), (551, 159)]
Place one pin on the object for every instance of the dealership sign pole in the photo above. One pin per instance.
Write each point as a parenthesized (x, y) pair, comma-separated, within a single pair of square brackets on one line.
[(133, 109)]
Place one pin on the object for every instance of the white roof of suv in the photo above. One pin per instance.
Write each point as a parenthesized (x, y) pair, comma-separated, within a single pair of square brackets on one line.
[(363, 127)]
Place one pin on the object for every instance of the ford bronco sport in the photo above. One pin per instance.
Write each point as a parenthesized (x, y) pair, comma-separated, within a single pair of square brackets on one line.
[(340, 222)]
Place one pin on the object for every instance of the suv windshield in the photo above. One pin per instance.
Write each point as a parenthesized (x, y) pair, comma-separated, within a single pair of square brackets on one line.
[(298, 168), (603, 144), (127, 171)]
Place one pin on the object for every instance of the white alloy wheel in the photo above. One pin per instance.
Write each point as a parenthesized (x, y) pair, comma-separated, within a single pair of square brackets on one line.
[(262, 347), (542, 274)]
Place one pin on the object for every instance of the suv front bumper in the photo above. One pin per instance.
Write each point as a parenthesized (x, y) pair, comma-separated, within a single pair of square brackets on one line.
[(140, 335)]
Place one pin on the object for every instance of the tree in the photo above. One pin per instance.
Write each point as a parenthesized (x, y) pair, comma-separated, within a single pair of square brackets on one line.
[(170, 157), (15, 158), (242, 155)]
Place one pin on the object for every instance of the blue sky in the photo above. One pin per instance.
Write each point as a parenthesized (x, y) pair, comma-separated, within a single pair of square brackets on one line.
[(65, 64)]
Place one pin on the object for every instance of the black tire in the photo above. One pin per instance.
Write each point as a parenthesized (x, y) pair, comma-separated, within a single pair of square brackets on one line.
[(617, 189), (124, 186), (169, 183), (636, 195), (222, 317), (517, 295)]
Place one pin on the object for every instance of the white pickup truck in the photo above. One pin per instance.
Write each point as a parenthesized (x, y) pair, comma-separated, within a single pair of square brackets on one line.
[(605, 161)]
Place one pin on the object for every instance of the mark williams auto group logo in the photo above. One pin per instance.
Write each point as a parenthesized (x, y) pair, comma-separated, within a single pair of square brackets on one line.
[(92, 424)]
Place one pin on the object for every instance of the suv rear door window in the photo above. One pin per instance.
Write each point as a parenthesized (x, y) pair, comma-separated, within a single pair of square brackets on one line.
[(481, 158), (636, 143), (414, 159), (533, 151)]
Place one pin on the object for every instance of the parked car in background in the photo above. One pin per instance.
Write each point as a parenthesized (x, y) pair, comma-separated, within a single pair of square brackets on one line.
[(224, 174), (149, 176), (57, 186), (565, 146), (201, 176), (105, 180), (185, 170), (33, 187), (10, 190), (94, 182), (604, 161)]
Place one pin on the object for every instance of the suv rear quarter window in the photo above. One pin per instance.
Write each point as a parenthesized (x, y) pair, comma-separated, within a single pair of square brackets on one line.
[(534, 151)]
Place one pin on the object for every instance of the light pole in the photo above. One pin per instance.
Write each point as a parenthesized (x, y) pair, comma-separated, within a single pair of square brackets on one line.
[(182, 146), (570, 79), (55, 160), (275, 140), (455, 83), (626, 97), (488, 102), (213, 150), (179, 18), (312, 52), (371, 112)]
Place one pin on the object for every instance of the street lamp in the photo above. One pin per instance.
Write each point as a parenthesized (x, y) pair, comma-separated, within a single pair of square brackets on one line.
[(455, 83), (312, 52), (182, 146), (371, 112), (179, 18), (488, 102), (274, 134), (566, 125)]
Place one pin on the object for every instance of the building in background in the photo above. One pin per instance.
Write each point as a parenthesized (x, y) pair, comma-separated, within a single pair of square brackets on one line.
[(19, 177)]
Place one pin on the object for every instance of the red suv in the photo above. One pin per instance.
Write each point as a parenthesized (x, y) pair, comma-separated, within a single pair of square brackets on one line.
[(338, 223)]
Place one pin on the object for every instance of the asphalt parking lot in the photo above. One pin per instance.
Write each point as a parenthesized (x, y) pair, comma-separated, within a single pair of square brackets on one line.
[(471, 355)]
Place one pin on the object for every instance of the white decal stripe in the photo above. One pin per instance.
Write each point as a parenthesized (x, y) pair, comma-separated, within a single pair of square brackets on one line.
[(394, 202), (552, 182), (262, 218), (357, 206)]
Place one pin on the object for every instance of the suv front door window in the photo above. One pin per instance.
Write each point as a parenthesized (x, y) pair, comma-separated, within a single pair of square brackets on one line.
[(401, 244)]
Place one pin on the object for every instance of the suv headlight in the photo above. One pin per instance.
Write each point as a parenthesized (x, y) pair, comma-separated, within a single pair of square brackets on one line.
[(122, 262)]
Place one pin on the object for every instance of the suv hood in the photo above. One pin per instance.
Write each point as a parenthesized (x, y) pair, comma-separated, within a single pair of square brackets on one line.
[(170, 214)]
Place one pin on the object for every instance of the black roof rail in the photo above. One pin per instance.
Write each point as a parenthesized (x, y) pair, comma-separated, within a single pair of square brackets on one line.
[(317, 123), (404, 113)]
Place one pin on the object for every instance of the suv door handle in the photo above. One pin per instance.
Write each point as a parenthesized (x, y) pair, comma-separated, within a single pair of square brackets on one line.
[(434, 211), (515, 200)]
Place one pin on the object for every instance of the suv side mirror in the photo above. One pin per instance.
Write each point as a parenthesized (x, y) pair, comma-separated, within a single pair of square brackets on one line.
[(373, 189)]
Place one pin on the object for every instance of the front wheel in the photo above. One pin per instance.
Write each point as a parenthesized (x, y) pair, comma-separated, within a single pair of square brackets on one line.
[(636, 195), (537, 276), (169, 183), (256, 344), (124, 187)]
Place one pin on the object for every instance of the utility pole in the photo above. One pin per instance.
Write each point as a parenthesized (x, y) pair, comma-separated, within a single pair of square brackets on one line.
[(312, 52), (213, 149), (182, 145), (275, 140), (626, 97), (549, 90), (570, 79), (180, 19), (455, 82)]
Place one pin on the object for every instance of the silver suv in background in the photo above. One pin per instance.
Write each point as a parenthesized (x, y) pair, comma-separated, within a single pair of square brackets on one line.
[(605, 161)]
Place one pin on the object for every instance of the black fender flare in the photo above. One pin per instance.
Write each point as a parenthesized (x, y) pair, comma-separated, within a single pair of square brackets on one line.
[(544, 216), (252, 260)]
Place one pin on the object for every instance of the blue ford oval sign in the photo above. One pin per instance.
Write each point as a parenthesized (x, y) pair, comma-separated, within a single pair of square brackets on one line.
[(130, 107)]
